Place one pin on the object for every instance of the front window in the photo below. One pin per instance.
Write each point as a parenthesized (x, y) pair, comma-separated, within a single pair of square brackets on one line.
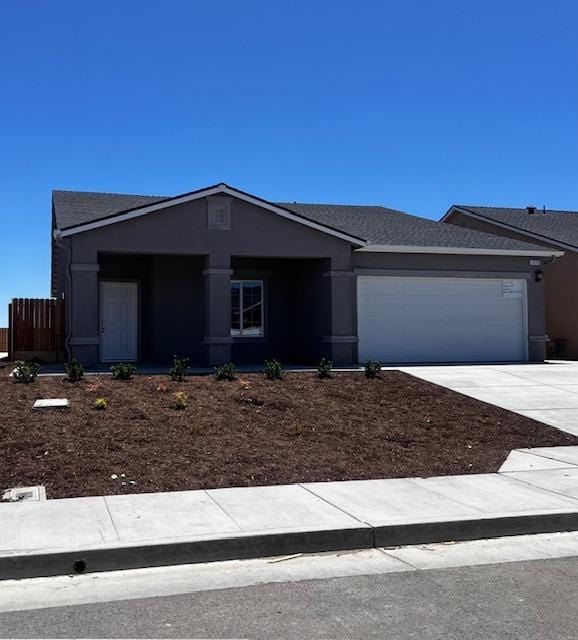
[(247, 308)]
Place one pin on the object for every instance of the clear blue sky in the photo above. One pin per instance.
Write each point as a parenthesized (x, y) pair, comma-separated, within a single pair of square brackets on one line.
[(413, 104)]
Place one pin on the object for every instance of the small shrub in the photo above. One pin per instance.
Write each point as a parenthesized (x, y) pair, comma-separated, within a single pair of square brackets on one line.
[(181, 400), (74, 371), (273, 370), (179, 369), (26, 372), (297, 430), (123, 371), (324, 368), (372, 368), (101, 404), (225, 372)]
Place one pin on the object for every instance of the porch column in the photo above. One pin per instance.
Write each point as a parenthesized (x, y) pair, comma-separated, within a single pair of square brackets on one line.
[(342, 341), (217, 340), (83, 312)]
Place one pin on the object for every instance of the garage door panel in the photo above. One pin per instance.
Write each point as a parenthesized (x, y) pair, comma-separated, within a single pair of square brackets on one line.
[(439, 320)]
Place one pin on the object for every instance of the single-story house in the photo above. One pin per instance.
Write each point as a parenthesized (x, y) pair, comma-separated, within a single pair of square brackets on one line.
[(221, 275), (551, 229)]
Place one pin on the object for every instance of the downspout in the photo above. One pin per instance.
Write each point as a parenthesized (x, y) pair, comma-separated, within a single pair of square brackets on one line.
[(57, 235)]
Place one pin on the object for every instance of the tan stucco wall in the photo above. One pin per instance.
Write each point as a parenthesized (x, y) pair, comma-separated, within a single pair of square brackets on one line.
[(560, 284)]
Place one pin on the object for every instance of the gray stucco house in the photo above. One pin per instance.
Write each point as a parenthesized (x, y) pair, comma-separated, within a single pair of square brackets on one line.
[(221, 275)]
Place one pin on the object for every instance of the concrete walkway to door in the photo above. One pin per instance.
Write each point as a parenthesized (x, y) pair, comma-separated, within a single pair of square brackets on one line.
[(546, 392)]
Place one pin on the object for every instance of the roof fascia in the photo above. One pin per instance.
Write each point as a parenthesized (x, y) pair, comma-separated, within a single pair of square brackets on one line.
[(377, 248)]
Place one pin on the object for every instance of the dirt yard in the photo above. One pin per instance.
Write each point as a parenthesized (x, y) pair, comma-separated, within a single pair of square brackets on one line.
[(249, 432)]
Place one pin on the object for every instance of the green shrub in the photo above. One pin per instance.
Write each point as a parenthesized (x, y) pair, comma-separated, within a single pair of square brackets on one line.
[(225, 372), (324, 368), (372, 368), (179, 369), (26, 372), (100, 404), (273, 370), (181, 400), (74, 371), (123, 371)]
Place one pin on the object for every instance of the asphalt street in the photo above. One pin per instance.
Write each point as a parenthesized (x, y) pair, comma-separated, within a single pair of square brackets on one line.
[(511, 600)]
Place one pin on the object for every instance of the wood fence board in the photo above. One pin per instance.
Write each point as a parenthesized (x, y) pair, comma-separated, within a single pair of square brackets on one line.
[(36, 324)]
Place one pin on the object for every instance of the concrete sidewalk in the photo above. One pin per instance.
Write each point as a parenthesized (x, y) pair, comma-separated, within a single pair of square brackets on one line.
[(536, 492), (545, 392)]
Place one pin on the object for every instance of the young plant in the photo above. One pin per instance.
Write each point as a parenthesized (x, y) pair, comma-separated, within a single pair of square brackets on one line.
[(101, 404), (297, 430), (225, 372), (179, 369), (181, 400), (273, 370), (25, 372), (372, 368), (324, 368), (123, 371), (74, 371)]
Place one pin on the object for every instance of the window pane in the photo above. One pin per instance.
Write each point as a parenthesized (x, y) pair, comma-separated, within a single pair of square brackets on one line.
[(235, 308), (252, 308)]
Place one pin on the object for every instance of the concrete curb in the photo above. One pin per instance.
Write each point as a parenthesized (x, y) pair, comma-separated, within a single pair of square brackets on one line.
[(34, 565)]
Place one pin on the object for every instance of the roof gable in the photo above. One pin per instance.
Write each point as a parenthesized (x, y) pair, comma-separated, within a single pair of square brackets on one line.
[(150, 204)]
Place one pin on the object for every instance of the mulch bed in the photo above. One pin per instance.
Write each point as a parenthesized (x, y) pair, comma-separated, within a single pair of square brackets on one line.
[(249, 432)]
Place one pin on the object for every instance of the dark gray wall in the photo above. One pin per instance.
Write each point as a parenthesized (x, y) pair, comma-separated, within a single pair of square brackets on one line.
[(169, 287), (185, 270)]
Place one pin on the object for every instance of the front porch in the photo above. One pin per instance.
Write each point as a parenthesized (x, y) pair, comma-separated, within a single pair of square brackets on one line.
[(211, 309)]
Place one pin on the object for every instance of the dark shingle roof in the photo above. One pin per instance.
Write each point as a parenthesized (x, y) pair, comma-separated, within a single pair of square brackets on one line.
[(375, 224), (383, 226), (72, 208), (559, 226)]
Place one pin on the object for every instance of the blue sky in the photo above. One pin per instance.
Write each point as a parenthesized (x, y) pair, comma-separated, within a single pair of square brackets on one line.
[(414, 105)]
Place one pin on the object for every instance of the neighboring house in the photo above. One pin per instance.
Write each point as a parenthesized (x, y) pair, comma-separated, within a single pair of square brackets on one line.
[(220, 275), (552, 229)]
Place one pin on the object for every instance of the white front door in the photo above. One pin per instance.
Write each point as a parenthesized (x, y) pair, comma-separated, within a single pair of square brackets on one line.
[(118, 321)]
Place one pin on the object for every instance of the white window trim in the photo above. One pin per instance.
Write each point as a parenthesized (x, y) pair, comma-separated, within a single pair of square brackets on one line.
[(261, 334)]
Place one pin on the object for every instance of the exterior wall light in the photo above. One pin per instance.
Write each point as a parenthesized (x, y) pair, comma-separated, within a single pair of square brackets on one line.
[(538, 275)]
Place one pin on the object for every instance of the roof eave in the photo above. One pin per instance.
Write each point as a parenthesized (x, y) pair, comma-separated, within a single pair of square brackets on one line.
[(474, 251)]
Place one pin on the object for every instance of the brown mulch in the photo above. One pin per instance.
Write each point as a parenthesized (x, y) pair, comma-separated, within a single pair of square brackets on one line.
[(249, 432)]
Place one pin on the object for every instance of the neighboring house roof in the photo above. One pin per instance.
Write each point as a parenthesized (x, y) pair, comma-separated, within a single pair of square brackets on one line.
[(559, 227), (372, 228)]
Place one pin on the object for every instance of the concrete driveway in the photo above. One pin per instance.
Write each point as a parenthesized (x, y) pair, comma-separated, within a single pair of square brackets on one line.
[(546, 392)]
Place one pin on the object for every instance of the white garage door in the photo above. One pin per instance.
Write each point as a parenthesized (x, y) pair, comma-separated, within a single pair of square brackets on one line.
[(441, 319)]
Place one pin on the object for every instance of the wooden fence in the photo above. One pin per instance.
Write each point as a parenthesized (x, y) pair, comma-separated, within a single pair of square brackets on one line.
[(4, 340), (37, 329)]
